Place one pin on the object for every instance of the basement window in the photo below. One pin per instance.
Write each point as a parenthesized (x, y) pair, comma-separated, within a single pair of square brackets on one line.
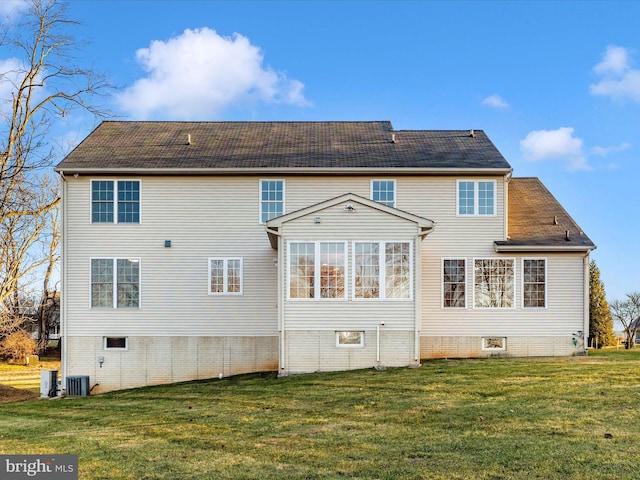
[(494, 343), (116, 343), (349, 339)]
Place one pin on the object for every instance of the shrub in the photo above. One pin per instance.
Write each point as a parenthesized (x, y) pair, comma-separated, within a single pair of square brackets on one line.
[(18, 345)]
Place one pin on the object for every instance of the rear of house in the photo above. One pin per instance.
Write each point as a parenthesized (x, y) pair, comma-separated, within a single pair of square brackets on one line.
[(205, 249)]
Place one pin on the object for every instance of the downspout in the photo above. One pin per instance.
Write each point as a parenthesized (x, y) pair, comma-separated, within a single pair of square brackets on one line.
[(418, 290), (418, 298), (506, 204), (281, 303), (63, 288), (281, 353), (585, 329)]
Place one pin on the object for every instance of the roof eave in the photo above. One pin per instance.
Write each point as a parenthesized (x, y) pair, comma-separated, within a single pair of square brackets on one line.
[(543, 248), (284, 170)]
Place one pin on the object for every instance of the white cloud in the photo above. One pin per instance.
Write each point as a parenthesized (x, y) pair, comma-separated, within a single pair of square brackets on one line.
[(495, 101), (615, 61), (197, 75), (619, 81), (559, 145), (604, 151), (10, 7), (9, 72)]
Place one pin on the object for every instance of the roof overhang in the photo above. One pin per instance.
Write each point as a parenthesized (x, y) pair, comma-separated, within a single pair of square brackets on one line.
[(503, 248), (207, 171)]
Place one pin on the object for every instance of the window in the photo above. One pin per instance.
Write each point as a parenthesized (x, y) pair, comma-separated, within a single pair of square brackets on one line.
[(271, 199), (534, 279), (382, 270), (225, 276), (494, 283), (115, 343), (350, 339), (366, 270), (453, 283), (115, 282), (476, 197), (494, 343), (115, 201), (317, 270), (398, 268), (384, 191)]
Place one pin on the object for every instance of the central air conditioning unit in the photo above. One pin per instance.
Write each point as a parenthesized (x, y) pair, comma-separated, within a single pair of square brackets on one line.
[(48, 383), (78, 386)]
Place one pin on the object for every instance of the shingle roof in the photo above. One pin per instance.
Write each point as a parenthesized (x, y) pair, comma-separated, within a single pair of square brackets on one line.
[(537, 220), (260, 145)]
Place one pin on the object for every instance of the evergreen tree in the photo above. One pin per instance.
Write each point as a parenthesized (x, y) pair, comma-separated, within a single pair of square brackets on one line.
[(600, 320)]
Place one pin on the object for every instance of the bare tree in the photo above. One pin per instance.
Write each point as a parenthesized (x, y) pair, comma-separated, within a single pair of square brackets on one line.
[(627, 312), (43, 84)]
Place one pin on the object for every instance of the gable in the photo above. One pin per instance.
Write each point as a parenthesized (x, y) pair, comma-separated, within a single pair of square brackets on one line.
[(350, 215)]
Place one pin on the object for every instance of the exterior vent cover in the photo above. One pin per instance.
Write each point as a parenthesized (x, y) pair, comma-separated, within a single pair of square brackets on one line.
[(78, 386)]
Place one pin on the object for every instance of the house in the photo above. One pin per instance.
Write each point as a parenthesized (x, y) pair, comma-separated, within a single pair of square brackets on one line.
[(206, 249)]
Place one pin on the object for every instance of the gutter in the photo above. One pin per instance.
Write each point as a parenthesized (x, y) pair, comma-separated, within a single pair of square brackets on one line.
[(478, 172), (542, 248)]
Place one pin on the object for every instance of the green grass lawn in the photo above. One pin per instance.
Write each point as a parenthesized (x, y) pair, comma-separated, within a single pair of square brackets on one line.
[(565, 418)]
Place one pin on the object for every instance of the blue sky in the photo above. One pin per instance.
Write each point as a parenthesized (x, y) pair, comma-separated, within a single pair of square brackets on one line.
[(556, 85)]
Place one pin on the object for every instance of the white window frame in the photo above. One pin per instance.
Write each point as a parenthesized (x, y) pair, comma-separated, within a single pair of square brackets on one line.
[(260, 201), (395, 190), (115, 200), (225, 280), (349, 345), (317, 253), (382, 279), (466, 283), (473, 269), (114, 282), (485, 348), (546, 284), (476, 198), (111, 349)]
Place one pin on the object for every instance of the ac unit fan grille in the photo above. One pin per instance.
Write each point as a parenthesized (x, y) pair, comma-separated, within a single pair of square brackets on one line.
[(78, 386)]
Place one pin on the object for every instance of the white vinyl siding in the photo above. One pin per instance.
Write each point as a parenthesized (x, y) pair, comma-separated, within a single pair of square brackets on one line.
[(564, 311), (174, 281)]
